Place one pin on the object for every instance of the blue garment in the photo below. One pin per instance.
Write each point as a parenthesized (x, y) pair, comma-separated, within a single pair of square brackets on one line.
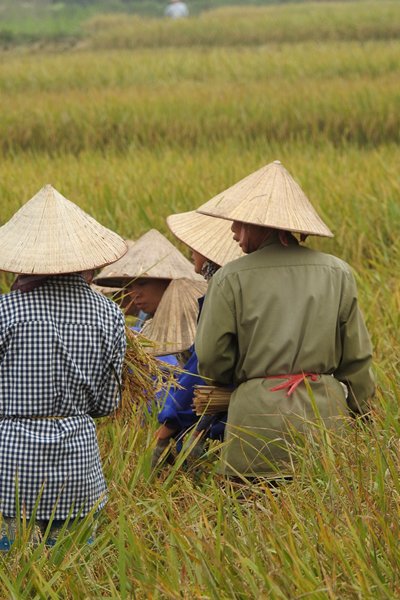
[(178, 412), (9, 530), (213, 425), (140, 320), (170, 359)]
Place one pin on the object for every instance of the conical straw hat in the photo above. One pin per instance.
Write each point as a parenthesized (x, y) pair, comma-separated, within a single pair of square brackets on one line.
[(118, 270), (208, 236), (173, 326), (50, 235), (104, 291), (269, 197), (152, 256)]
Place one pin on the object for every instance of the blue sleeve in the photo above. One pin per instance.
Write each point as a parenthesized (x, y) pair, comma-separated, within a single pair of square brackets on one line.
[(169, 359), (177, 411)]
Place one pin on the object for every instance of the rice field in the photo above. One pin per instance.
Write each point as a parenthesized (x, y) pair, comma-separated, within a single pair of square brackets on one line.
[(143, 118)]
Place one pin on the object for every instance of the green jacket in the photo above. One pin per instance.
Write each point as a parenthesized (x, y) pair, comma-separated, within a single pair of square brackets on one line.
[(279, 311)]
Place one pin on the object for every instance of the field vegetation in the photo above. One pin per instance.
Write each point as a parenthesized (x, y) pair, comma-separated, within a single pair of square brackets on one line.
[(126, 23), (144, 118)]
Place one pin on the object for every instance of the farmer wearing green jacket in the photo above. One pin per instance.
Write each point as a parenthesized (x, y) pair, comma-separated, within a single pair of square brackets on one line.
[(282, 325)]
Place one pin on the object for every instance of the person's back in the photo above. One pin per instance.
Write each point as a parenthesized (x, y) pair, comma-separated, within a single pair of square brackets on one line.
[(290, 304), (278, 322), (66, 334), (277, 314), (61, 351)]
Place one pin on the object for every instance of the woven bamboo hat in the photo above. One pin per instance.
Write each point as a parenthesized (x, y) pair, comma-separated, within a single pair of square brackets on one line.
[(173, 326), (104, 291), (152, 256), (209, 236), (50, 235), (118, 270), (269, 197)]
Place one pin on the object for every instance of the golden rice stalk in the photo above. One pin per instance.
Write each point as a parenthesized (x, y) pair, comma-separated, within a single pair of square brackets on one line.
[(143, 375), (211, 399)]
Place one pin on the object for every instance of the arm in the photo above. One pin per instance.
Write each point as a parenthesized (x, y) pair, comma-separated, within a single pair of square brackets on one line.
[(355, 366), (216, 338), (177, 412), (110, 395)]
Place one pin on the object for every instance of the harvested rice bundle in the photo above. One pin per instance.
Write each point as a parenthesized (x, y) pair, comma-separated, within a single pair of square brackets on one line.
[(143, 375), (211, 399)]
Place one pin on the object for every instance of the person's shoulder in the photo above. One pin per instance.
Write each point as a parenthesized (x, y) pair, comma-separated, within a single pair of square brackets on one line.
[(330, 260), (235, 266), (13, 305), (6, 296), (10, 298), (337, 267), (296, 255), (105, 304)]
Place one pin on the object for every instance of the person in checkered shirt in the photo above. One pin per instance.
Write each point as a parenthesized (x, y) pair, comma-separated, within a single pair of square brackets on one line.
[(61, 351)]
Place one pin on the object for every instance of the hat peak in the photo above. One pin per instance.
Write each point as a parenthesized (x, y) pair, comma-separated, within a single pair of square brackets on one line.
[(48, 192), (152, 256), (49, 188), (277, 162)]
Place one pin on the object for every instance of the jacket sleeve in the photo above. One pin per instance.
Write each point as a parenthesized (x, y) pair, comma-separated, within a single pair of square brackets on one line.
[(355, 366), (110, 395), (216, 337), (177, 411)]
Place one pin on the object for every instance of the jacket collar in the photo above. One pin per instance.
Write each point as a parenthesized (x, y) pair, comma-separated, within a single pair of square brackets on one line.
[(74, 279)]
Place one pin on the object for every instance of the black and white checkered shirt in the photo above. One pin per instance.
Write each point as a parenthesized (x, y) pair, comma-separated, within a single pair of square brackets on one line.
[(61, 351)]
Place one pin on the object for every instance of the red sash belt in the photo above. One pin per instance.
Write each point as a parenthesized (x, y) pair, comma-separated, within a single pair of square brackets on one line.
[(291, 381)]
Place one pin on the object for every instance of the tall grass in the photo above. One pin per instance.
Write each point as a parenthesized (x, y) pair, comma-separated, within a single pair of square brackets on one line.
[(134, 136), (332, 532), (241, 97), (126, 24), (27, 72), (244, 26)]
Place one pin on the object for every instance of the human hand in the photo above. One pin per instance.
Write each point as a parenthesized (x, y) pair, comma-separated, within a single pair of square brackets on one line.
[(162, 454), (193, 449)]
